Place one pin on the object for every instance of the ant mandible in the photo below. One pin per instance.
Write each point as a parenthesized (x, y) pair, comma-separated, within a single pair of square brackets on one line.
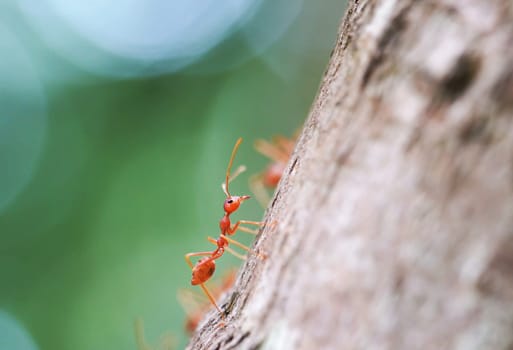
[(205, 267)]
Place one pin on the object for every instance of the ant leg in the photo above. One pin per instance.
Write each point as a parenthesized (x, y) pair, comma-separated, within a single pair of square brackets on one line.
[(236, 227), (235, 254), (212, 240), (271, 151), (211, 298), (238, 244), (245, 247), (228, 249), (256, 223), (286, 144), (248, 230), (256, 183)]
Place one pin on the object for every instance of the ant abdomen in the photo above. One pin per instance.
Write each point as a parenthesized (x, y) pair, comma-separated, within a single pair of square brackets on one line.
[(203, 270)]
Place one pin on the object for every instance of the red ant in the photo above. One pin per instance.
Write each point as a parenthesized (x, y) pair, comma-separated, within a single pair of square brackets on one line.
[(205, 267), (279, 151)]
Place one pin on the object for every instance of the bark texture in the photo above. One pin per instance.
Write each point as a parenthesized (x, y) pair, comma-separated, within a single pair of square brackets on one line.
[(393, 224)]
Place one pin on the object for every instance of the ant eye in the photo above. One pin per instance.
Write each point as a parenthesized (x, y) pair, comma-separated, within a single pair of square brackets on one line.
[(229, 201)]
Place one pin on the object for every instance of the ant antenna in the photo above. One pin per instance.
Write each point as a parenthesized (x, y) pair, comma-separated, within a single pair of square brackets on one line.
[(240, 170), (237, 172)]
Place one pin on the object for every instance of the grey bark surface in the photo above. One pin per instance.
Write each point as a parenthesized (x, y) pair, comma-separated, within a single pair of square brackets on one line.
[(392, 227)]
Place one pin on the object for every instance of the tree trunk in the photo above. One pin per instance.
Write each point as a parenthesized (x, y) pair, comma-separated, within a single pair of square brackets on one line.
[(392, 227)]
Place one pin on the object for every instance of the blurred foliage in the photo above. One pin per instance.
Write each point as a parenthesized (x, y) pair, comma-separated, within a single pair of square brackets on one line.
[(114, 180)]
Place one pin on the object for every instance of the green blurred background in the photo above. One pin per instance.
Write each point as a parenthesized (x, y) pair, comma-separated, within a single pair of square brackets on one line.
[(114, 140)]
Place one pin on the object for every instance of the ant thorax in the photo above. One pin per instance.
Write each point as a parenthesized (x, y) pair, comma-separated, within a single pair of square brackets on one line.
[(224, 224)]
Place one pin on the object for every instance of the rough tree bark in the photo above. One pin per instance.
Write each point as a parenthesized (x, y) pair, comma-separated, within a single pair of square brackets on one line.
[(394, 220)]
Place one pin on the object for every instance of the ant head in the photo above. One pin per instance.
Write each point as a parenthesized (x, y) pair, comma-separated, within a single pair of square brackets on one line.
[(232, 203)]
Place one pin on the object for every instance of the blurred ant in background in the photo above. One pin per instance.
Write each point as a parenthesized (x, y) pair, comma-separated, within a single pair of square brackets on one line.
[(279, 151)]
